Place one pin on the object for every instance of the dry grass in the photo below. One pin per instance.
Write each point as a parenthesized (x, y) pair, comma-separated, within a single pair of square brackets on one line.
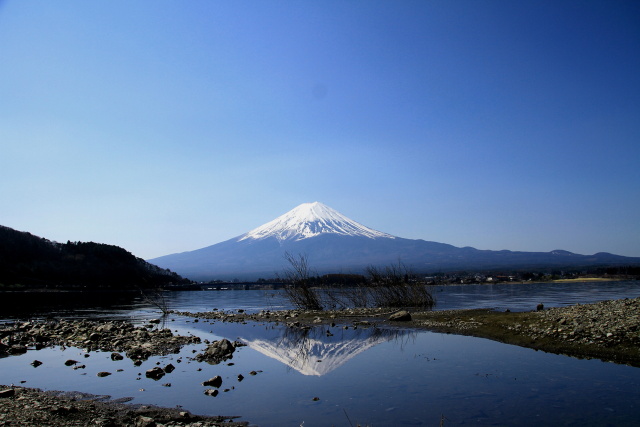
[(391, 286), (395, 286), (585, 279)]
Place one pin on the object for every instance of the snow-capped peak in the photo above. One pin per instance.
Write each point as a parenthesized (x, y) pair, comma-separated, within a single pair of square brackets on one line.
[(309, 220)]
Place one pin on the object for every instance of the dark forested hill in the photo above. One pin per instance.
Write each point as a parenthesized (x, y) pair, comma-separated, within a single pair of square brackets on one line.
[(31, 261)]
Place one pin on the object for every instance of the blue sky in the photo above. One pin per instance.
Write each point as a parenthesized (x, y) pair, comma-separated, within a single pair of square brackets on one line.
[(167, 126)]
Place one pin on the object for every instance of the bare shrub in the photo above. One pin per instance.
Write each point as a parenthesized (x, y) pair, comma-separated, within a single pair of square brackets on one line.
[(390, 286), (340, 291), (299, 290), (156, 297), (358, 296), (396, 286)]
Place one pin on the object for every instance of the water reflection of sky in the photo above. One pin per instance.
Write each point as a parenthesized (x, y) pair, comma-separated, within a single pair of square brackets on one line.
[(376, 377), (525, 296), (399, 379), (516, 297)]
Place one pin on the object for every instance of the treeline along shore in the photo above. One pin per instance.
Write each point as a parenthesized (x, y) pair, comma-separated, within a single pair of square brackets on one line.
[(29, 262)]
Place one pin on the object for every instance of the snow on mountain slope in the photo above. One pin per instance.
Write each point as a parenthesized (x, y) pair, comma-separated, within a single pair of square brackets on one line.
[(302, 353), (310, 220)]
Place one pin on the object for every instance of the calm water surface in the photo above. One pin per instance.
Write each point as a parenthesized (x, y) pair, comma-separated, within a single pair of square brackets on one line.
[(376, 377), (516, 297)]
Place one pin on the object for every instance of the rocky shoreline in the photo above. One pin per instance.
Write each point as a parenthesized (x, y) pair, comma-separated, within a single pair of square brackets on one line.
[(25, 407), (138, 343), (607, 330), (21, 406)]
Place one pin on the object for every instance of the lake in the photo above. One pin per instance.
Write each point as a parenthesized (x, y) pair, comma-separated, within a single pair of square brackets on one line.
[(374, 376)]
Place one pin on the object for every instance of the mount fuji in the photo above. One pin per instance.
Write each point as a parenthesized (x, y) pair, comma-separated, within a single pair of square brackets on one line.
[(310, 220), (337, 244)]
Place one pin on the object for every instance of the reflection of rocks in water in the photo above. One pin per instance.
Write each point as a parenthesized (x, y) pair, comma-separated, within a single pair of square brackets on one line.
[(316, 352)]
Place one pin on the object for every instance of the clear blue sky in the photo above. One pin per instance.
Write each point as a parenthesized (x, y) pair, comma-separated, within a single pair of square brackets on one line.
[(167, 126)]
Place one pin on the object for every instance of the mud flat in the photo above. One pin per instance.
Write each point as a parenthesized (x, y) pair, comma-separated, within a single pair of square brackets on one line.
[(607, 330)]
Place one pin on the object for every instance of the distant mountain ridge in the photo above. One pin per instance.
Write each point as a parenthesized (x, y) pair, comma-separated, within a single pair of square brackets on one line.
[(337, 244)]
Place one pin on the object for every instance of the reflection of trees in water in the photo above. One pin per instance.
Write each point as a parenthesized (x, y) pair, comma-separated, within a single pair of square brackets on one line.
[(69, 304), (362, 333), (298, 340)]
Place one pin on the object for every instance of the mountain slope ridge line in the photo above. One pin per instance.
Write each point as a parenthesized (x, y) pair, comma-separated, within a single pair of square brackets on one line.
[(337, 244)]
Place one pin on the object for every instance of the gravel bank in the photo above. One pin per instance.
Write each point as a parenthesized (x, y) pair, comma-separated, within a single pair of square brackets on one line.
[(139, 343), (32, 407), (605, 324), (607, 330)]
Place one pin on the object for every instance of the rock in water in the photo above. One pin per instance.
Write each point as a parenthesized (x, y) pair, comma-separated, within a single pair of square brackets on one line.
[(213, 382), (217, 352), (400, 316), (220, 348), (155, 373)]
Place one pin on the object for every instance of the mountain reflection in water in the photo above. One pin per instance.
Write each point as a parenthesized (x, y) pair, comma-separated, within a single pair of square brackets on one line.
[(315, 351)]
